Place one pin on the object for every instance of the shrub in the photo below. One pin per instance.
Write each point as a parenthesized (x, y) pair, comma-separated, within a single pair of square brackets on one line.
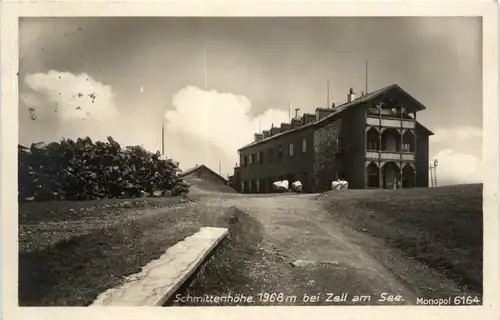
[(83, 170)]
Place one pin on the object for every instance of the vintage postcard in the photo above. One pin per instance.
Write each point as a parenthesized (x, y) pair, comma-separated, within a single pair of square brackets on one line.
[(250, 159)]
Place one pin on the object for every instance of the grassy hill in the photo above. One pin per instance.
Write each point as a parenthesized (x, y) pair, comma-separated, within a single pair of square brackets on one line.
[(71, 251), (440, 227)]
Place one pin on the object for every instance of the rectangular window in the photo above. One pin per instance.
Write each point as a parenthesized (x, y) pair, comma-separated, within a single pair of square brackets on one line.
[(290, 150), (257, 185), (245, 161), (304, 145), (259, 157), (280, 153), (250, 158), (250, 186), (270, 155)]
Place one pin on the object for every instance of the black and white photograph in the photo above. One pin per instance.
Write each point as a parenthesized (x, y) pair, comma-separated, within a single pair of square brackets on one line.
[(216, 161)]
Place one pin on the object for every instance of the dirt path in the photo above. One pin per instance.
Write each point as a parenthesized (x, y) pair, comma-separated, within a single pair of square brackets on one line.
[(303, 255)]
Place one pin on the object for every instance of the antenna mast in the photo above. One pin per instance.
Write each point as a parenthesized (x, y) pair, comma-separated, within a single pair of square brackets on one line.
[(327, 93), (162, 138), (366, 77), (289, 110), (205, 71)]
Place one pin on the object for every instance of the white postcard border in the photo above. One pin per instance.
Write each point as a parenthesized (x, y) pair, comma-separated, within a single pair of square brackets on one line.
[(11, 11)]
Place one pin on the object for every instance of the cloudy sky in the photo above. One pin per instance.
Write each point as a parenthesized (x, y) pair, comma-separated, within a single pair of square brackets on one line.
[(215, 81)]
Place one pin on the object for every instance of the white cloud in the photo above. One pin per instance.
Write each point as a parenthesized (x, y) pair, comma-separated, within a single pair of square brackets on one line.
[(456, 168), (461, 133), (75, 106), (74, 96), (30, 100), (221, 118), (204, 126), (457, 154)]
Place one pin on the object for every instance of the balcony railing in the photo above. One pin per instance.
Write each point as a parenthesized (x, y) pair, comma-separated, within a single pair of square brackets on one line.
[(390, 155), (408, 124), (373, 121), (409, 156), (393, 123), (372, 155)]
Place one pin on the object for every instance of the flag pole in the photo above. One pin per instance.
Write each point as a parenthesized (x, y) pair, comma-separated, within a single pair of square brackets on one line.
[(327, 93), (162, 137), (289, 110), (366, 77)]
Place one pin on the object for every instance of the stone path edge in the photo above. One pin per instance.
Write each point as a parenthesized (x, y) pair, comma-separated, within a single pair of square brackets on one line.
[(162, 277)]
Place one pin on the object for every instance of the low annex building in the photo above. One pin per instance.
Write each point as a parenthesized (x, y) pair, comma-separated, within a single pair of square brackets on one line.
[(371, 141), (204, 173)]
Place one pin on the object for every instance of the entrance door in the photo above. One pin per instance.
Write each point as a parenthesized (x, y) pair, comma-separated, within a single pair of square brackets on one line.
[(391, 174), (372, 175)]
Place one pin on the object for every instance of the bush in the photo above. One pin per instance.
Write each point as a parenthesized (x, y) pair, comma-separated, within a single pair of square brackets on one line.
[(84, 170)]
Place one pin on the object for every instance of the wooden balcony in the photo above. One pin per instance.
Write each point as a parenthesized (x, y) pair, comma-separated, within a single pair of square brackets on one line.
[(408, 156), (389, 155), (390, 122)]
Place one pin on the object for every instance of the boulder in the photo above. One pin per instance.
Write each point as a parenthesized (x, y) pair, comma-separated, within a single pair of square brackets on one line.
[(344, 185), (340, 185), (280, 186), (285, 184), (336, 185), (297, 186)]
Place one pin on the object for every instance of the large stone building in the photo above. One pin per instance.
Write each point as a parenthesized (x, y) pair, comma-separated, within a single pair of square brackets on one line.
[(371, 141)]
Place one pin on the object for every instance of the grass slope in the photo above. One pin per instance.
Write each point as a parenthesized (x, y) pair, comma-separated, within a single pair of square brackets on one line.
[(70, 251), (73, 268), (440, 227)]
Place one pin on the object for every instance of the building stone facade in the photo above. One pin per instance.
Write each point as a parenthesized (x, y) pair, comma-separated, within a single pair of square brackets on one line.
[(372, 141)]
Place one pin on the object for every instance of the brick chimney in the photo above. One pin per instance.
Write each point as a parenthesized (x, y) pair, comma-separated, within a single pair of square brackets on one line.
[(265, 134), (258, 137), (351, 96)]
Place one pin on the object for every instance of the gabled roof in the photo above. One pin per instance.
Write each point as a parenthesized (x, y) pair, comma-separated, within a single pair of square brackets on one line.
[(197, 168), (340, 108), (429, 132)]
